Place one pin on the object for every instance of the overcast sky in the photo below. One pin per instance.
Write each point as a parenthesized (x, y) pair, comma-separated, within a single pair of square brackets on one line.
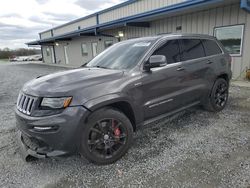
[(22, 20)]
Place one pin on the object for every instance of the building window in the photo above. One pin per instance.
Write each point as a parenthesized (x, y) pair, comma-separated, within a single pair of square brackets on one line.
[(84, 49), (47, 51), (231, 37), (108, 43)]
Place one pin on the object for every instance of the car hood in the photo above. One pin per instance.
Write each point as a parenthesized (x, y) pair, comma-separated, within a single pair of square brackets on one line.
[(67, 82)]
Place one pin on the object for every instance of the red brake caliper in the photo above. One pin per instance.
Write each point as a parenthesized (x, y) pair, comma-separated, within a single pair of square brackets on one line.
[(117, 131)]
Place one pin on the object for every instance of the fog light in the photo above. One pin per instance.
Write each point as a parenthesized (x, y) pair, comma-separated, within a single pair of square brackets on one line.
[(44, 128)]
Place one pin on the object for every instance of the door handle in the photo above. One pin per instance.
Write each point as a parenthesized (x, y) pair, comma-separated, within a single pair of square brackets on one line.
[(209, 62), (180, 68)]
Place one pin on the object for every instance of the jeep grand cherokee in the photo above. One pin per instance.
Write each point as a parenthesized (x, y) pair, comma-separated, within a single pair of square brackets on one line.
[(94, 110)]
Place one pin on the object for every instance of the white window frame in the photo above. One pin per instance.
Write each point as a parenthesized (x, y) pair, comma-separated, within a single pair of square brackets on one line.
[(84, 53), (242, 37), (106, 41), (94, 53)]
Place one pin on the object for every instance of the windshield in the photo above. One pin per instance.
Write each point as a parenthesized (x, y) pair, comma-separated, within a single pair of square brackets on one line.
[(124, 55)]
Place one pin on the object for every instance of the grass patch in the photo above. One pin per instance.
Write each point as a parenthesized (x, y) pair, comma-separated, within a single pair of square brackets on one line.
[(4, 61)]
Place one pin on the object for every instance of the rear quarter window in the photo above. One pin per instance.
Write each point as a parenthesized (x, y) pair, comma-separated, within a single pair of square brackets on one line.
[(191, 49), (211, 47)]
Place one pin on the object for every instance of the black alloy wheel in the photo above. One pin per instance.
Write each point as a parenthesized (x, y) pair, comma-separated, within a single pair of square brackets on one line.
[(218, 97), (221, 94), (107, 136)]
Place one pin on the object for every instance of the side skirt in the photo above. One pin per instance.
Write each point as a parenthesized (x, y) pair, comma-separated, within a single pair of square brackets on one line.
[(169, 113)]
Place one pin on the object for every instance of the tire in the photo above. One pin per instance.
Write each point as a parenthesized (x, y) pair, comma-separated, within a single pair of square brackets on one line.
[(106, 137), (218, 97)]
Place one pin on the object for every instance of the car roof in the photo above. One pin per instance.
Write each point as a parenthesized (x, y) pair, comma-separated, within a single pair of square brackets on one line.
[(187, 35), (170, 36), (176, 35)]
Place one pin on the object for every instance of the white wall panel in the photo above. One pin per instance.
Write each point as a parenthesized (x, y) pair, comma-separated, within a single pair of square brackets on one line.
[(135, 8), (74, 26), (46, 34)]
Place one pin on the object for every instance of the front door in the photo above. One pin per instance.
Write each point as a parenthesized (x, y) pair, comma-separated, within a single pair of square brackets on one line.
[(66, 54), (162, 86), (52, 54), (94, 49)]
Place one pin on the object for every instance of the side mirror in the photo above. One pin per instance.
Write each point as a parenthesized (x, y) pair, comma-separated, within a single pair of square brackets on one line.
[(155, 61)]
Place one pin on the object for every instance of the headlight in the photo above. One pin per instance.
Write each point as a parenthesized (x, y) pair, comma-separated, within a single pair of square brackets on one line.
[(57, 103)]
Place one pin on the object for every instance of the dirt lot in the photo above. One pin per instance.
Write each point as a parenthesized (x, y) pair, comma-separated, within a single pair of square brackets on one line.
[(191, 149)]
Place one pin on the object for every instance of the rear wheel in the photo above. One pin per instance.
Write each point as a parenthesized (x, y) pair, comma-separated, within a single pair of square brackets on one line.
[(218, 97), (107, 136)]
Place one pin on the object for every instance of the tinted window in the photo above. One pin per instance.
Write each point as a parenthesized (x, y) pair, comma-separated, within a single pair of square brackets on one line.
[(211, 47), (191, 49), (170, 50)]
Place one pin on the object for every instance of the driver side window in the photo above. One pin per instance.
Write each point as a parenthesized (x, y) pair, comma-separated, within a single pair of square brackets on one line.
[(171, 50)]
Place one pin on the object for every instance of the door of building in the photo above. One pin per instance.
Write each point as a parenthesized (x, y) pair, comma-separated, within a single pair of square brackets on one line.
[(66, 54), (94, 49)]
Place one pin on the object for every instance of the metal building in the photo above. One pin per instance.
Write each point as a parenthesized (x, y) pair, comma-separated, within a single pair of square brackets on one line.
[(78, 41)]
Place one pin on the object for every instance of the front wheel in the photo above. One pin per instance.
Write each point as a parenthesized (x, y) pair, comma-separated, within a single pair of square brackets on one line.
[(218, 96), (107, 136)]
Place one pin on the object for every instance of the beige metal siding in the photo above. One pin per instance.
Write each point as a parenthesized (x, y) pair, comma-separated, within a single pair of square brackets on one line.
[(245, 62), (74, 26), (204, 22), (135, 8), (75, 51), (47, 58), (46, 34)]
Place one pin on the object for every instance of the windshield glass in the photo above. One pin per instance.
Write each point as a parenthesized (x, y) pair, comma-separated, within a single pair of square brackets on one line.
[(123, 55)]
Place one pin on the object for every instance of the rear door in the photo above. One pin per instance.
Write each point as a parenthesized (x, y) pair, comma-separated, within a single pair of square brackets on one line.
[(194, 70)]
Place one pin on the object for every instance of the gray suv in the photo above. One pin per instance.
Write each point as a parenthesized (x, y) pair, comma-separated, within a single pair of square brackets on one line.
[(94, 110)]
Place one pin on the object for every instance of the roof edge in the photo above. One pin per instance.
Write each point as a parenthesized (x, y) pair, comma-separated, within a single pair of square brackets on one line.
[(91, 15), (180, 6)]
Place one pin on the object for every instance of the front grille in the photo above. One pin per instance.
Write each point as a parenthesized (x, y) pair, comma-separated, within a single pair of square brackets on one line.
[(25, 103)]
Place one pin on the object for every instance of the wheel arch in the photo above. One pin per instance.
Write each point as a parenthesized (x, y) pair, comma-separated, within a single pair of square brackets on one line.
[(114, 101), (224, 76)]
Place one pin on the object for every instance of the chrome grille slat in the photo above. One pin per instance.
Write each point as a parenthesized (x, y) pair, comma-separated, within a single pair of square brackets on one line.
[(18, 99), (25, 103), (22, 102), (28, 109)]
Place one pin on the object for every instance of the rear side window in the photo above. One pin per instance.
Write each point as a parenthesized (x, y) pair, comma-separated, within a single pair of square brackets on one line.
[(211, 47), (170, 50), (191, 49)]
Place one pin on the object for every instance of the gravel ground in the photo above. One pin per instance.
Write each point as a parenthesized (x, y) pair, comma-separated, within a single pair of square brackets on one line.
[(194, 148)]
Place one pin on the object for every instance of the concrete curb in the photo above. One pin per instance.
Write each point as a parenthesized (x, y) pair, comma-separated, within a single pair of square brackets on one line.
[(240, 84)]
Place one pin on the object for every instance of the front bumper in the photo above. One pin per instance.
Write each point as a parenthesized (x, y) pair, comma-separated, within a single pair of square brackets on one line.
[(63, 138)]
